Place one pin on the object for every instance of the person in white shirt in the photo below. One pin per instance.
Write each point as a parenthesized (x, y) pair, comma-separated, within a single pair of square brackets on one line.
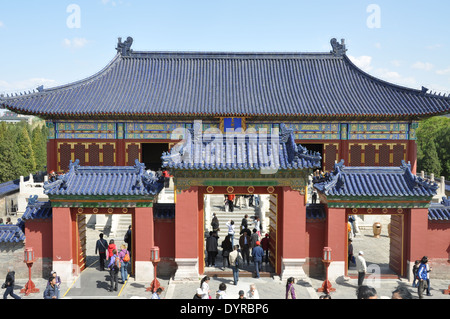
[(361, 266), (230, 225), (252, 293)]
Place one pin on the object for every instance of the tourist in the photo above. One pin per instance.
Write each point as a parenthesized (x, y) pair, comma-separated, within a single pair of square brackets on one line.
[(198, 294), (101, 247), (265, 247), (9, 284), (211, 248), (350, 258), (414, 271), (257, 226), (252, 293), (241, 294), (366, 292), (401, 292), (1, 221), (8, 221), (244, 243), (204, 285), (221, 293), (244, 222), (314, 197), (258, 254), (114, 268), (254, 239), (51, 291), (111, 247), (215, 223), (226, 249), (127, 239), (230, 225), (233, 260), (124, 256), (361, 267), (290, 290), (429, 268), (157, 294), (57, 282), (422, 276)]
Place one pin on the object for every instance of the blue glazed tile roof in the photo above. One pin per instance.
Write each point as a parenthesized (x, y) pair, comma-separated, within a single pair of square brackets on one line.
[(440, 211), (142, 84), (9, 187), (11, 234), (37, 210), (374, 181), (241, 152), (105, 180)]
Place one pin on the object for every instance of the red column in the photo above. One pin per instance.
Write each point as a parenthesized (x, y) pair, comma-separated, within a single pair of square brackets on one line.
[(62, 234), (143, 232), (416, 234), (336, 233), (412, 155), (52, 156), (294, 224), (186, 224)]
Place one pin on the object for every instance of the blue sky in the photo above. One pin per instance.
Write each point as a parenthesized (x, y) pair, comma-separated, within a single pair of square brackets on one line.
[(47, 42)]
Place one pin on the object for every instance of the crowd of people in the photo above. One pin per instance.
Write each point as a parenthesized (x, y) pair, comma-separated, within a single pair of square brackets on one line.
[(249, 247)]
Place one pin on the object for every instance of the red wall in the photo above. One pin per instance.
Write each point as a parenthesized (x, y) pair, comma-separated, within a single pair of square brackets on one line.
[(39, 236), (165, 237), (315, 238), (438, 239)]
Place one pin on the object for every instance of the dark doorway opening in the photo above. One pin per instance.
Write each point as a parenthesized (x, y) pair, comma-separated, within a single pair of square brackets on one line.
[(151, 154)]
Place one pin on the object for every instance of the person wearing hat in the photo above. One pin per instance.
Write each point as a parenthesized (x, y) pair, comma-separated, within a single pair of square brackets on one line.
[(241, 294), (361, 267), (258, 254)]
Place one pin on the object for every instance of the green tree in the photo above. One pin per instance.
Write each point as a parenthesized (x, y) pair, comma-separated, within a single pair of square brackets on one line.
[(11, 164), (433, 146), (25, 151), (39, 148)]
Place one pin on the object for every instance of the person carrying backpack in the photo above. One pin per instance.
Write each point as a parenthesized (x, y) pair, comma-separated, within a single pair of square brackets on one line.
[(114, 267), (124, 256)]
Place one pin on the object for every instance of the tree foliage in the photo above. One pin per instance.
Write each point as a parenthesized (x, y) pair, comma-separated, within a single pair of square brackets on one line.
[(21, 155), (433, 146)]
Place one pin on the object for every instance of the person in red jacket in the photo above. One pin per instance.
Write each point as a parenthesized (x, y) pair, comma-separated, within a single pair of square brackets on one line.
[(265, 247), (111, 247)]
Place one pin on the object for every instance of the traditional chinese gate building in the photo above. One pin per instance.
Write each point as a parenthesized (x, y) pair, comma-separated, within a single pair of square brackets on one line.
[(142, 103)]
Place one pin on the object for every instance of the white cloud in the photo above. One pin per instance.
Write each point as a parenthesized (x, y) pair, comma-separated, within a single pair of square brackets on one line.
[(25, 85), (1, 24), (426, 66), (394, 77), (443, 72), (75, 43), (363, 62)]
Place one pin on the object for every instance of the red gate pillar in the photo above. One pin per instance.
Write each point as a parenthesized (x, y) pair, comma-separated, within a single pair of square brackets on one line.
[(415, 237), (188, 235), (63, 243), (336, 239), (143, 241), (293, 234)]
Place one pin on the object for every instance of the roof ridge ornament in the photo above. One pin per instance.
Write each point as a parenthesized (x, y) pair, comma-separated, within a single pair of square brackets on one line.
[(124, 48), (338, 48)]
